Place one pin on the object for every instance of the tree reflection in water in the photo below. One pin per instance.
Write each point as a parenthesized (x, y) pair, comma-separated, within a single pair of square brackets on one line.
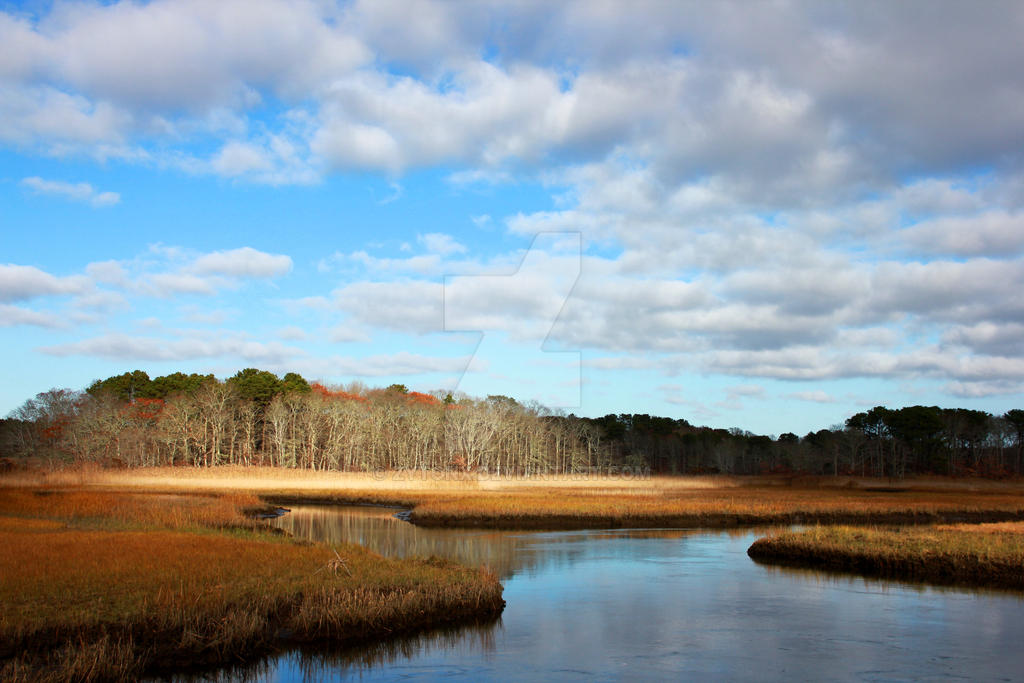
[(506, 553)]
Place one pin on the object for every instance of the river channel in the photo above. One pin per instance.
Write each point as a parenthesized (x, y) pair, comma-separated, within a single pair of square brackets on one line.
[(663, 605)]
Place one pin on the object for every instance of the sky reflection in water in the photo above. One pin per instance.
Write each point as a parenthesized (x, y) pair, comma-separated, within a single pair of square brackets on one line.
[(658, 605)]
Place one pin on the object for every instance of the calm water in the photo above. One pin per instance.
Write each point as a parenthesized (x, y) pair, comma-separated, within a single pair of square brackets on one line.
[(664, 605)]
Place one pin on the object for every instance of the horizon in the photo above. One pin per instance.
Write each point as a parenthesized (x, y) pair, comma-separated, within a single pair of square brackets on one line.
[(752, 217)]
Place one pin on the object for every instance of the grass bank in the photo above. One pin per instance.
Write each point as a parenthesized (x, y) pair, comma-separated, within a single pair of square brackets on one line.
[(989, 555), (101, 585), (567, 502)]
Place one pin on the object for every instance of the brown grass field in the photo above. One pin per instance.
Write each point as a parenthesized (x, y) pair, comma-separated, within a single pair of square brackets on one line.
[(115, 573), (586, 502), (959, 554), (100, 585)]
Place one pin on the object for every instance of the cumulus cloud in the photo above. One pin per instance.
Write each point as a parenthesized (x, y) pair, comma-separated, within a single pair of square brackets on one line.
[(20, 283), (998, 339), (110, 272), (775, 101), (778, 191), (63, 123), (82, 192), (995, 233), (177, 271), (169, 284), (185, 54), (347, 333), (412, 306), (122, 346), (243, 262), (292, 333), (440, 243), (12, 316)]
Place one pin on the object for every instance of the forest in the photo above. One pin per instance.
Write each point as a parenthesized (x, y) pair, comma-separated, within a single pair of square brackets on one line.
[(258, 418)]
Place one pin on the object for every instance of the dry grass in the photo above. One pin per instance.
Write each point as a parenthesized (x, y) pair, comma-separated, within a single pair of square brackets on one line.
[(982, 554), (721, 506), (77, 507), (992, 528), (82, 599), (258, 479), (441, 499)]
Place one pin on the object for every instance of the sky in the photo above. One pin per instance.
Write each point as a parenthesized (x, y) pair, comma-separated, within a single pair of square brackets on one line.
[(763, 215)]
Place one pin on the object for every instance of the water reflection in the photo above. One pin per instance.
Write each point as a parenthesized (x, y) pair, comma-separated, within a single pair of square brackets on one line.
[(320, 664), (324, 662), (663, 605), (377, 528), (505, 553)]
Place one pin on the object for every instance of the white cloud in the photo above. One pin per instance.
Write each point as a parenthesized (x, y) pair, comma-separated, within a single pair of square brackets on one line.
[(382, 365), (19, 283), (440, 243), (412, 306), (11, 316), (243, 262), (995, 233), (109, 272), (292, 333), (737, 167), (345, 333), (169, 284), (984, 389), (238, 158), (425, 264), (83, 192), (191, 53), (995, 338), (101, 300), (815, 396), (62, 123), (123, 347)]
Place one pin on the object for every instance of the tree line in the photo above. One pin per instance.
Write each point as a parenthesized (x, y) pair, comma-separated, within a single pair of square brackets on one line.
[(258, 418)]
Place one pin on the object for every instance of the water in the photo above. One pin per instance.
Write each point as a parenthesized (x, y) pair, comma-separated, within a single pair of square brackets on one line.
[(664, 605)]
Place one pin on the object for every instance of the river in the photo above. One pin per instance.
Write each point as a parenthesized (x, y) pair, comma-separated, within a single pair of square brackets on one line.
[(663, 605)]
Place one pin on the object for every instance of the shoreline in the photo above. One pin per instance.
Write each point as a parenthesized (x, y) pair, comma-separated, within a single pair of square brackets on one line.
[(553, 521), (710, 521), (101, 586), (966, 555)]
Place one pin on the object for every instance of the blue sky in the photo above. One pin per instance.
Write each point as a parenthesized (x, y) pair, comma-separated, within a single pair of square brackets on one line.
[(766, 216)]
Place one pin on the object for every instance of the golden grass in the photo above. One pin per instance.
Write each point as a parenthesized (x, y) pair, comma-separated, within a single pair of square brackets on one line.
[(444, 499), (76, 506), (81, 599), (991, 528), (257, 479), (715, 507), (982, 554)]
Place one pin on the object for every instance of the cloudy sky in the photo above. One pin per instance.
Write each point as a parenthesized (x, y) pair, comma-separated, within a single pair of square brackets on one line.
[(767, 215)]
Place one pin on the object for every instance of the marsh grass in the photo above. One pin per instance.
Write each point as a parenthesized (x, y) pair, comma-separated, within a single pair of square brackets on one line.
[(576, 502), (968, 554), (717, 507), (163, 511), (100, 586)]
